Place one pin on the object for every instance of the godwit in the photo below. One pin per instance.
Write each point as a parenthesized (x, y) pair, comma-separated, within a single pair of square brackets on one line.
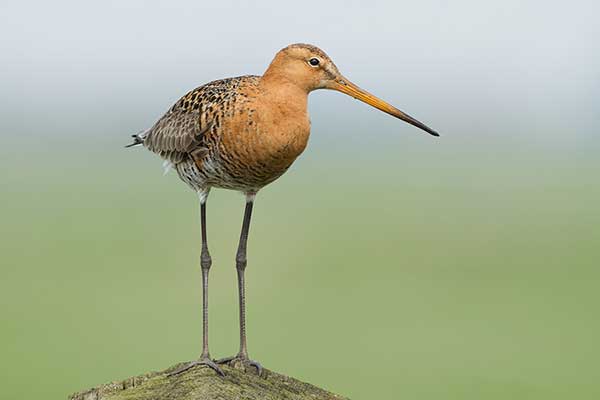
[(241, 134)]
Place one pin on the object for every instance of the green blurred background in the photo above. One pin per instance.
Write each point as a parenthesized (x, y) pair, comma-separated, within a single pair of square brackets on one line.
[(385, 263)]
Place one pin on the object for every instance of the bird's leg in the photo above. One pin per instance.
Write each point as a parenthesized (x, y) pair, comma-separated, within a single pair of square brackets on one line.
[(205, 263), (241, 262)]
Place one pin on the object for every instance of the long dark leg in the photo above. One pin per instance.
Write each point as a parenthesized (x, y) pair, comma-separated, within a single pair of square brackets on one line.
[(205, 264), (240, 263)]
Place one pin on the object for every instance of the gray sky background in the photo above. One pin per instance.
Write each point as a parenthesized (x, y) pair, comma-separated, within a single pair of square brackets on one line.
[(527, 70)]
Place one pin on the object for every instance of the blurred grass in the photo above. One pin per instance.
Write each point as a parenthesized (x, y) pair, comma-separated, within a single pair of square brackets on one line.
[(370, 274)]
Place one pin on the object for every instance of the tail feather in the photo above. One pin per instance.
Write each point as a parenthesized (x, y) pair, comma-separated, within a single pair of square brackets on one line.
[(138, 138)]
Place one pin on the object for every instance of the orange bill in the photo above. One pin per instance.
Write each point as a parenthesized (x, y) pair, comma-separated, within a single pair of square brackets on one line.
[(349, 88)]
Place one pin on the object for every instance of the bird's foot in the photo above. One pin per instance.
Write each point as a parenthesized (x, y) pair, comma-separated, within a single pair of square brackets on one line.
[(203, 360), (241, 361)]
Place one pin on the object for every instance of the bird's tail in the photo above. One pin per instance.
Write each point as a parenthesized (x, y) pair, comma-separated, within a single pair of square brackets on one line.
[(138, 139)]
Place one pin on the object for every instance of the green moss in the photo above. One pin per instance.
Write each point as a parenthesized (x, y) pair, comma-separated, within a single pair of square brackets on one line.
[(201, 383)]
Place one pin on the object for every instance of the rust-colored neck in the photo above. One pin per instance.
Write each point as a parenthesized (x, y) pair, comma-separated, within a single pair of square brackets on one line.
[(279, 89)]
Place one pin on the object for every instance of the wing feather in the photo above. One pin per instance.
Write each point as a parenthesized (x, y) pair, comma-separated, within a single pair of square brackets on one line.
[(176, 134), (180, 133)]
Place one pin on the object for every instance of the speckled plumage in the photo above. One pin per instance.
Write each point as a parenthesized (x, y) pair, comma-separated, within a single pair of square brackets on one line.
[(183, 130), (216, 136)]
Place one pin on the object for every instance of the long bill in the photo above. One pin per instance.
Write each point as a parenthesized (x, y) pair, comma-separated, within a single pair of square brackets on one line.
[(345, 86)]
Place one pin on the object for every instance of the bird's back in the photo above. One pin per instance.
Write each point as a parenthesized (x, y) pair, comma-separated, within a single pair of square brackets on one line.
[(186, 128)]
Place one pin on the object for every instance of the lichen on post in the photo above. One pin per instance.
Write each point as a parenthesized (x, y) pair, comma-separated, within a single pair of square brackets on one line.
[(201, 383)]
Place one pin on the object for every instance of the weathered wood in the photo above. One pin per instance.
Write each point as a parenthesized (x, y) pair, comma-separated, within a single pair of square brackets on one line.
[(202, 383)]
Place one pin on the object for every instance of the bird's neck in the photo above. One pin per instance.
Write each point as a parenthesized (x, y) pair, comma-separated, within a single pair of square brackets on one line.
[(283, 93)]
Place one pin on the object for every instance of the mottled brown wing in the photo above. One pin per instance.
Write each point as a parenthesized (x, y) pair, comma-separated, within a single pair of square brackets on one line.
[(178, 134)]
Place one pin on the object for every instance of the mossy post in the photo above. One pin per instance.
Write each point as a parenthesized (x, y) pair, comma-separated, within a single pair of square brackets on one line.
[(202, 383)]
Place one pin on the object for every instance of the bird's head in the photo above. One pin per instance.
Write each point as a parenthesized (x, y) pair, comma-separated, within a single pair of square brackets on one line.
[(309, 68)]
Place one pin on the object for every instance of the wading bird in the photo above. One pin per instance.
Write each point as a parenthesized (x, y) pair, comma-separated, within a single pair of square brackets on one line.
[(242, 134)]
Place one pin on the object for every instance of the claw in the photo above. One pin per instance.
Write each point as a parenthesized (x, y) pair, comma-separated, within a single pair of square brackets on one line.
[(244, 360), (202, 361), (225, 360), (256, 364)]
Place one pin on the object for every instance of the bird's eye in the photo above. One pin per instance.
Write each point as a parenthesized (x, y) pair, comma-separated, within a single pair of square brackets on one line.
[(314, 62)]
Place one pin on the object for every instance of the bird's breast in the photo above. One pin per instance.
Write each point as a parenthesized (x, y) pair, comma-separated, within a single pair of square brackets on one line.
[(259, 143), (283, 136)]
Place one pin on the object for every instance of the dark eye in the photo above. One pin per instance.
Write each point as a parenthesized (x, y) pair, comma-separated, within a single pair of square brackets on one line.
[(314, 62)]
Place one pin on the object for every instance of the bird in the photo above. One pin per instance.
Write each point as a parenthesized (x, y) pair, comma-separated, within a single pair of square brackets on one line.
[(243, 133)]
